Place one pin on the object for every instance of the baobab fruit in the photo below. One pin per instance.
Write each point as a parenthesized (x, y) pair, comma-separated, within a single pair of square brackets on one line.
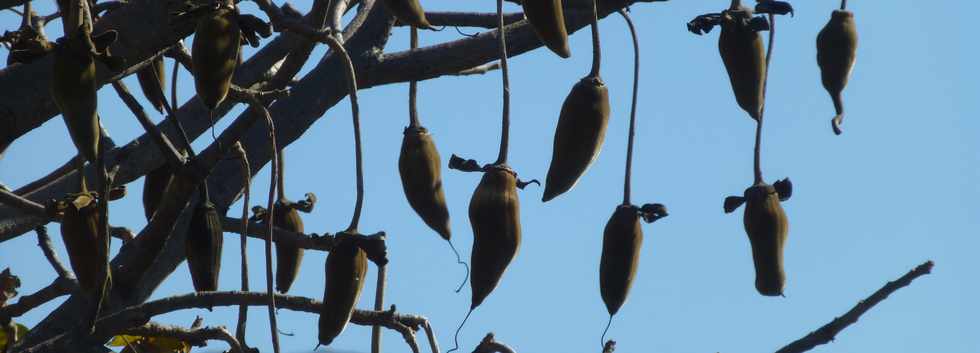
[(154, 188), (288, 256), (152, 81), (215, 54), (74, 89), (836, 53), (203, 247), (88, 253), (767, 227), (419, 168), (345, 269), (548, 20), (408, 11), (495, 218), (745, 59), (579, 135), (621, 243)]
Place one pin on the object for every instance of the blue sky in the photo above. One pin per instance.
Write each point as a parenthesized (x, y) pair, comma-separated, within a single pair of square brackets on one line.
[(898, 188)]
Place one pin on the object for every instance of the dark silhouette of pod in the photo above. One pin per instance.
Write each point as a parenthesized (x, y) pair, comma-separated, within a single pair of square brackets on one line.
[(345, 269), (288, 256), (152, 81), (409, 12), (621, 243), (744, 56), (836, 52), (87, 253), (419, 167), (154, 187), (215, 55), (548, 20), (74, 92), (495, 215), (767, 227), (203, 247), (579, 135)]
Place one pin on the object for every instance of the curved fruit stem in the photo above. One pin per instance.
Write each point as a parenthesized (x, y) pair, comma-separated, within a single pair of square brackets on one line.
[(247, 179), (762, 110), (636, 88), (270, 205), (596, 48), (413, 87), (843, 4), (505, 123)]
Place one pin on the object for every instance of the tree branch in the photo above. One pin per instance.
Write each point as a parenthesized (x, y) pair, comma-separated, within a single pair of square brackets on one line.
[(825, 334), (60, 286), (173, 156), (194, 336), (44, 242), (468, 19)]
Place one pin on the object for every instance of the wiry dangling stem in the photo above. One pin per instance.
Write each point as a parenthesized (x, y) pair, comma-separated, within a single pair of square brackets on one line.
[(596, 48), (762, 110), (636, 88), (281, 185), (413, 87), (247, 176), (504, 71), (173, 113), (271, 206), (379, 302)]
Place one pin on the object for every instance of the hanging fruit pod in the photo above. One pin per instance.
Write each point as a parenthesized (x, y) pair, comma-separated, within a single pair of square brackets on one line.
[(152, 81), (155, 185), (203, 246), (621, 242), (215, 54), (496, 221), (74, 92), (579, 136), (345, 269), (767, 227), (548, 20), (408, 11), (744, 56), (87, 252), (836, 53), (289, 257), (419, 167)]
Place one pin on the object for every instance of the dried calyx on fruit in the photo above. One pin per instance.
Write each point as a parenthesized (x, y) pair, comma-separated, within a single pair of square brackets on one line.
[(548, 20), (581, 126), (204, 244), (767, 227), (836, 53), (408, 11)]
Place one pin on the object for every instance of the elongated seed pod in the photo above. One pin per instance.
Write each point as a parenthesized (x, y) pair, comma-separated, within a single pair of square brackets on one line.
[(288, 256), (154, 187), (215, 55), (836, 53), (152, 81), (87, 253), (495, 215), (345, 269), (579, 136), (203, 247), (548, 20), (74, 92), (621, 243), (767, 227), (419, 166), (408, 11), (744, 56)]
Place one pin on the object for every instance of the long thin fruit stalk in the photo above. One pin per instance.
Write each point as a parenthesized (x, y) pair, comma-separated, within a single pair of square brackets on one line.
[(413, 87), (379, 302), (762, 111), (504, 71), (636, 88), (270, 205), (596, 48), (243, 309), (843, 4)]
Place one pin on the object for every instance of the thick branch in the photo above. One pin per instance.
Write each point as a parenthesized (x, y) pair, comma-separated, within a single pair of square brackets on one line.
[(827, 333), (60, 286)]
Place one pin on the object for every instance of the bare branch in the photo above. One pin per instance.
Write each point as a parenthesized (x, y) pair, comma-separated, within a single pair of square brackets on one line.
[(30, 207), (195, 336), (433, 344), (468, 19), (44, 241), (59, 287), (825, 334), (166, 147), (478, 70), (258, 230)]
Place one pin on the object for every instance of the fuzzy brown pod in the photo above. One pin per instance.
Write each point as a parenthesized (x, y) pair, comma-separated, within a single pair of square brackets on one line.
[(74, 89), (621, 242), (345, 269), (419, 167), (495, 215), (155, 185), (152, 81), (87, 251), (215, 54), (579, 135), (409, 12), (288, 256), (203, 247), (767, 227), (548, 20), (836, 53), (744, 56)]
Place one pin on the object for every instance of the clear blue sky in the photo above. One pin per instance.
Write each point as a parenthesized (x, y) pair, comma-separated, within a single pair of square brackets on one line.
[(898, 188)]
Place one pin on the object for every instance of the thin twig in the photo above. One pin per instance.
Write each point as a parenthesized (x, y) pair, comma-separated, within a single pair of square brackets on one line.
[(195, 336), (44, 242), (379, 302), (433, 343), (636, 89), (166, 147), (468, 19), (827, 332), (59, 287), (478, 70)]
